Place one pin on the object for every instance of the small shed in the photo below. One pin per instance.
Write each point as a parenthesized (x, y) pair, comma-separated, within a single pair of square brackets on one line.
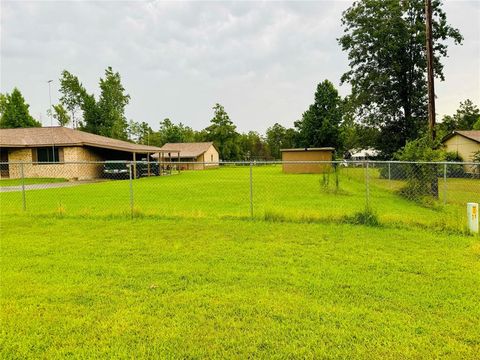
[(306, 158)]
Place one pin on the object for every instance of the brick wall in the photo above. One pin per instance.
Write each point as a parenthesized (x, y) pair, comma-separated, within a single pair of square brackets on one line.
[(67, 170)]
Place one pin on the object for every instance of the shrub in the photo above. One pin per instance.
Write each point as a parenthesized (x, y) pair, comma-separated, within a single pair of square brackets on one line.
[(454, 170), (422, 179), (366, 217)]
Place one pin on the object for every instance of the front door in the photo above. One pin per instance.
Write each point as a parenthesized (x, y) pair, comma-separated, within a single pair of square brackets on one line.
[(4, 173)]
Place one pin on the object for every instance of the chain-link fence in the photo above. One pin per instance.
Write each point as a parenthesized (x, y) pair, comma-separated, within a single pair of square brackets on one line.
[(396, 192)]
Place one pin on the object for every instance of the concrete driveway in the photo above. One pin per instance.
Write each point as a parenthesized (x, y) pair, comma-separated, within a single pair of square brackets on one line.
[(46, 186)]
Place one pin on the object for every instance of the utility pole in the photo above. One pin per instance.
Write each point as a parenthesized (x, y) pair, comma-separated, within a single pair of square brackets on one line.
[(430, 76), (51, 119), (431, 89)]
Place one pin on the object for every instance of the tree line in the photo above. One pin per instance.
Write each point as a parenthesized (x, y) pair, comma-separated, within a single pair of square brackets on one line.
[(386, 109)]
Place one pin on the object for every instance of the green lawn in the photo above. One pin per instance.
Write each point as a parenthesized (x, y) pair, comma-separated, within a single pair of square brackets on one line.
[(30, 181), (210, 288), (194, 276), (225, 192)]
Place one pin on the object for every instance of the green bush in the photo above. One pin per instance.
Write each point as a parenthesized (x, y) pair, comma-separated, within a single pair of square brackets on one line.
[(366, 217), (422, 179), (454, 170)]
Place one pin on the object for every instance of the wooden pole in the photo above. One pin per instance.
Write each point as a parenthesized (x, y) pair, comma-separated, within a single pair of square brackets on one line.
[(431, 88), (430, 73)]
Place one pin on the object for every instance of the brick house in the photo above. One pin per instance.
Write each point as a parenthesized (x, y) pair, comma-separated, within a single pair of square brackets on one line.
[(62, 152)]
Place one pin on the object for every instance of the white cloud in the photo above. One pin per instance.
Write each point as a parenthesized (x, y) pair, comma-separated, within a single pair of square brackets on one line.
[(262, 60)]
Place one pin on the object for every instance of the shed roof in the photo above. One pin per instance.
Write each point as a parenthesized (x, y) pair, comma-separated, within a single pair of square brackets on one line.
[(188, 150), (310, 149), (62, 136), (469, 134)]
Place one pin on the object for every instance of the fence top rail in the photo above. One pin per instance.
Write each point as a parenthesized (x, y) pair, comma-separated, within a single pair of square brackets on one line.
[(248, 162)]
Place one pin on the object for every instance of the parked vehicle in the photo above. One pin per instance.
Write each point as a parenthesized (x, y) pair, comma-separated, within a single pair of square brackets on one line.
[(120, 169)]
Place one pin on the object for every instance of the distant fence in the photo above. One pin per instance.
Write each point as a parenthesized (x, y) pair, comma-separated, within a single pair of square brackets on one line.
[(422, 192)]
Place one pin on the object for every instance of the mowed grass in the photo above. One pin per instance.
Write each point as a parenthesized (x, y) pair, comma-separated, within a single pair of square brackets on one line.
[(30, 181), (225, 192), (82, 287)]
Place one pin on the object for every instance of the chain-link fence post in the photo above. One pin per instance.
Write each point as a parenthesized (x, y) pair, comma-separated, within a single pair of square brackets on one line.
[(445, 183), (367, 187), (389, 175), (131, 189), (251, 189), (24, 198)]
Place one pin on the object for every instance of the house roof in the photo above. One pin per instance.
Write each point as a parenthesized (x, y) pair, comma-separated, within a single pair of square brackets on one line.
[(310, 149), (188, 150), (62, 136), (365, 152), (469, 134)]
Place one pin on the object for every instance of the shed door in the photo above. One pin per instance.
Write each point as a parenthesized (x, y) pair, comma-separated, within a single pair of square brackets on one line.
[(4, 173)]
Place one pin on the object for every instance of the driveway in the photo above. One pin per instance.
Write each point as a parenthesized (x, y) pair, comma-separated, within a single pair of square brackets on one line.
[(46, 186)]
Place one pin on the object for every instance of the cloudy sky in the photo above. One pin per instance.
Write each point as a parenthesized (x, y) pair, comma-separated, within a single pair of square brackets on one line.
[(261, 60)]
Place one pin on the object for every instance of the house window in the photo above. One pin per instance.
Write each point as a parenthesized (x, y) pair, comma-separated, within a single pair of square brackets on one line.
[(48, 155), (211, 158)]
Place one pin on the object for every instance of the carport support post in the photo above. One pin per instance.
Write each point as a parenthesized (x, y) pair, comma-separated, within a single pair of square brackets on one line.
[(178, 162), (24, 199), (131, 189), (134, 165), (148, 163)]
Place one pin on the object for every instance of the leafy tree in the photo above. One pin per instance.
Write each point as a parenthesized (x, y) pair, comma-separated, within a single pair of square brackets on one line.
[(172, 133), (446, 127), (60, 114), (111, 106), (103, 117), (278, 137), (139, 133), (14, 111), (320, 124), (476, 126), (359, 136), (385, 42), (73, 94), (253, 146), (356, 135), (223, 133), (75, 98), (3, 103), (465, 118)]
